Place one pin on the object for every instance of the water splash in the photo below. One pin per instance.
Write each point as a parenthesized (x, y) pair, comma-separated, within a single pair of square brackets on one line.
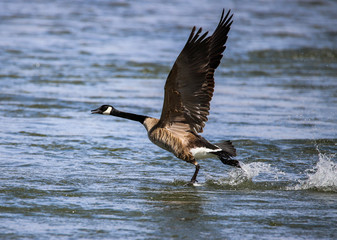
[(322, 177), (247, 173), (254, 169)]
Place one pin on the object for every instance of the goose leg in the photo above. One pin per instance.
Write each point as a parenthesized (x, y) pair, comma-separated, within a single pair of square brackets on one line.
[(194, 178)]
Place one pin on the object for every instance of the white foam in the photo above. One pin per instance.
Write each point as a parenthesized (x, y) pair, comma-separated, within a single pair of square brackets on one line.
[(197, 184)]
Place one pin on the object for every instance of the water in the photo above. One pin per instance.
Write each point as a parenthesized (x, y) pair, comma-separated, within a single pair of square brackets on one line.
[(67, 174)]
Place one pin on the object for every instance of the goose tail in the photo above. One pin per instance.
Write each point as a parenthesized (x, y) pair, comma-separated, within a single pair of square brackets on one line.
[(227, 153)]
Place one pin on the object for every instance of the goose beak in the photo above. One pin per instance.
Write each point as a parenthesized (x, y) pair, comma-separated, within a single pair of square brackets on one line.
[(96, 111)]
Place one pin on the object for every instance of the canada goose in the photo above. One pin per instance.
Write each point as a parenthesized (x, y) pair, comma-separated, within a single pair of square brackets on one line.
[(188, 91)]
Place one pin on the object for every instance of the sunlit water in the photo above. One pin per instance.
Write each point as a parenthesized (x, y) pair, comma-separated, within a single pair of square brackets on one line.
[(68, 174)]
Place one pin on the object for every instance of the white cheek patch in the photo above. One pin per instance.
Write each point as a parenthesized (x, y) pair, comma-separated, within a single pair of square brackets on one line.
[(202, 152), (108, 111)]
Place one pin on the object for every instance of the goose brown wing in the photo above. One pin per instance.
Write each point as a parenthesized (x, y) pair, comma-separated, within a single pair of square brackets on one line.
[(190, 84)]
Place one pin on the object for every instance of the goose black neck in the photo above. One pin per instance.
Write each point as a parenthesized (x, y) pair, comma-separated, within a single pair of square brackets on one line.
[(130, 116)]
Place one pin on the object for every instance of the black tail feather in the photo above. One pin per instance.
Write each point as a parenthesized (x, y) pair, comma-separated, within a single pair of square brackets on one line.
[(228, 151), (227, 159), (231, 162), (227, 148)]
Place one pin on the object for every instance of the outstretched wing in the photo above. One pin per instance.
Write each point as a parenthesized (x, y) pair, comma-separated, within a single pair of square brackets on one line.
[(190, 84)]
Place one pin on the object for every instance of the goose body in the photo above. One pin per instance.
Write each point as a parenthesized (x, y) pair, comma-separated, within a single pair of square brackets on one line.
[(188, 92)]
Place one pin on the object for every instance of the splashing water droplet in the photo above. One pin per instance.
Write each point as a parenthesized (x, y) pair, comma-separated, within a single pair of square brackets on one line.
[(254, 169), (247, 173), (321, 177)]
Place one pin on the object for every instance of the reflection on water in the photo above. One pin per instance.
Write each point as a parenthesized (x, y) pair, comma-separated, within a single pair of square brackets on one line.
[(69, 174), (181, 210)]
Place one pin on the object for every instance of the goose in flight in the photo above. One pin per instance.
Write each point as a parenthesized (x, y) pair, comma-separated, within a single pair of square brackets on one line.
[(188, 91)]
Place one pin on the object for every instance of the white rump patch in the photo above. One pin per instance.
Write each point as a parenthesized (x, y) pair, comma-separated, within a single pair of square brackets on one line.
[(202, 152), (108, 111)]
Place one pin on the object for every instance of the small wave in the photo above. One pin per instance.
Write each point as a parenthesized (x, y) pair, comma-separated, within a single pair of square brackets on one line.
[(322, 177)]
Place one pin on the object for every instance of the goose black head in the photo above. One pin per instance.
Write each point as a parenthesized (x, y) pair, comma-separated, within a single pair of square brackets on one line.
[(104, 109)]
